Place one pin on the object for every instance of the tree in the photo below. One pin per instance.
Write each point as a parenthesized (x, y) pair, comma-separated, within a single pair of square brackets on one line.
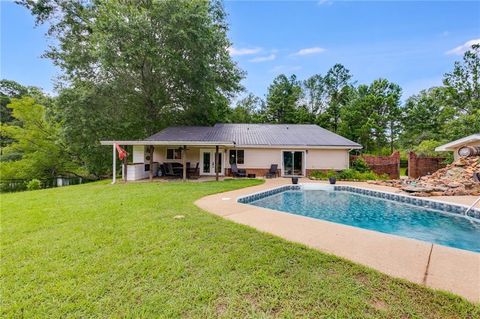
[(168, 59), (37, 140), (9, 90), (247, 110), (283, 99), (338, 86), (424, 117), (372, 117), (463, 94), (315, 94)]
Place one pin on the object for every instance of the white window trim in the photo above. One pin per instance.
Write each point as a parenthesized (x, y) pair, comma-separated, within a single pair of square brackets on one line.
[(236, 155), (175, 149)]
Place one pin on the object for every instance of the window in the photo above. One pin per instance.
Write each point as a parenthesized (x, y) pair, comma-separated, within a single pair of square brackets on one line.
[(174, 154), (237, 156)]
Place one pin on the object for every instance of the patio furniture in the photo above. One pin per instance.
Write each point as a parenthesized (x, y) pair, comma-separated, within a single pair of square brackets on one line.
[(273, 171), (237, 172), (193, 172), (165, 170)]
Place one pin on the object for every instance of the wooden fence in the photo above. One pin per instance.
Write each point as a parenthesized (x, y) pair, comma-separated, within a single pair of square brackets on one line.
[(419, 166), (389, 165)]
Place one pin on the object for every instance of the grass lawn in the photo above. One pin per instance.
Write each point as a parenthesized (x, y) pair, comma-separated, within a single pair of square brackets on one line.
[(403, 171), (101, 250)]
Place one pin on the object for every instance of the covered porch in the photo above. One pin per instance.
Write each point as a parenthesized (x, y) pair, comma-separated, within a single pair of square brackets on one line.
[(156, 159)]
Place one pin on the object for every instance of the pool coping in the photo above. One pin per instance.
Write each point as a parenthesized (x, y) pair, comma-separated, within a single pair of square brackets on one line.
[(421, 202), (435, 266)]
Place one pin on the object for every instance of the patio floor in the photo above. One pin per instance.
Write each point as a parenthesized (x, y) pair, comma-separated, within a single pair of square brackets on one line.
[(436, 266)]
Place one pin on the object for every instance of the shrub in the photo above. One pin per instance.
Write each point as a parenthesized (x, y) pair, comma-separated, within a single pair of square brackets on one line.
[(347, 175), (34, 184), (318, 175), (360, 165)]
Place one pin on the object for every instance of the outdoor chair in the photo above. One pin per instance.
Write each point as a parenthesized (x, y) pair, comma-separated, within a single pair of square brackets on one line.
[(193, 172), (237, 172), (273, 171), (169, 170)]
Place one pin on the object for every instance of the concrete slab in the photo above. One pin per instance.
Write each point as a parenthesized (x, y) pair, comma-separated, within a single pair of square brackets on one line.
[(436, 266)]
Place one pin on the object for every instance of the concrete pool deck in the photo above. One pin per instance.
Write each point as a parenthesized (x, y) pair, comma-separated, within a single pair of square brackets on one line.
[(436, 266)]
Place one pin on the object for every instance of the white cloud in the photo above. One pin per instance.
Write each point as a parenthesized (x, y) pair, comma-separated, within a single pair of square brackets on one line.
[(309, 51), (462, 48), (243, 51), (263, 58)]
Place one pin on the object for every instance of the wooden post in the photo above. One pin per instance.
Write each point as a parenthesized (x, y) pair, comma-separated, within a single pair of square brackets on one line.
[(216, 163), (184, 162), (114, 165), (150, 172)]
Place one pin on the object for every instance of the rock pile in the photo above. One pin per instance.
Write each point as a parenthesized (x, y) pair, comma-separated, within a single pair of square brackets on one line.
[(453, 180)]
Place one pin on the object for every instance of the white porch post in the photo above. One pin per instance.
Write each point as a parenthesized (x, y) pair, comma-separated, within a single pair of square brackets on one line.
[(184, 163), (114, 167)]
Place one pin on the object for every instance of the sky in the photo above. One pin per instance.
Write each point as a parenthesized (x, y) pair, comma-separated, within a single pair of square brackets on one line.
[(410, 43)]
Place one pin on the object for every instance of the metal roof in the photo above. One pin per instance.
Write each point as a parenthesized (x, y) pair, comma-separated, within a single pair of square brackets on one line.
[(255, 135), (457, 143)]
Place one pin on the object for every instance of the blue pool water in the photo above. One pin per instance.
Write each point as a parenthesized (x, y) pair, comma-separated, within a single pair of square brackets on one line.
[(380, 215)]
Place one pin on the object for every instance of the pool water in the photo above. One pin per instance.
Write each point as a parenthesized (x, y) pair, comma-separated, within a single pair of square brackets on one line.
[(378, 214)]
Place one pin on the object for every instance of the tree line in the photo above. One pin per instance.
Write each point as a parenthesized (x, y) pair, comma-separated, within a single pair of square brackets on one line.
[(131, 68), (374, 114)]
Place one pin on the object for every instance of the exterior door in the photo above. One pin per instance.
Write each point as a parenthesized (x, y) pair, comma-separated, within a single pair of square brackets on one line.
[(207, 162), (293, 163)]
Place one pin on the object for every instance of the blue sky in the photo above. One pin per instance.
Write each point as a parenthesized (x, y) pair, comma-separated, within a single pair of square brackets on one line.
[(410, 43)]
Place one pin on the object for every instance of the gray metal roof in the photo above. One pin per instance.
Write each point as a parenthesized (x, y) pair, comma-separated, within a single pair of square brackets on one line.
[(255, 134)]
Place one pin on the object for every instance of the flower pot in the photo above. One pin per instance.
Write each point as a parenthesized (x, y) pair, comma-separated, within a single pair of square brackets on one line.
[(294, 180), (332, 180)]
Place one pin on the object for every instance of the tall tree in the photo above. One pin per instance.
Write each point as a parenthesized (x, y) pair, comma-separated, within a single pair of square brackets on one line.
[(424, 117), (372, 117), (338, 85), (283, 98), (463, 93), (247, 110), (167, 58), (315, 94)]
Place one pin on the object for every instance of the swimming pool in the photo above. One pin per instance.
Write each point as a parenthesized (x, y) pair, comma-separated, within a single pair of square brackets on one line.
[(390, 214)]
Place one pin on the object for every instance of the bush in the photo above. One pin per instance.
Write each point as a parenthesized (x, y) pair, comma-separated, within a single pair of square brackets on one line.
[(34, 184), (347, 175), (360, 165)]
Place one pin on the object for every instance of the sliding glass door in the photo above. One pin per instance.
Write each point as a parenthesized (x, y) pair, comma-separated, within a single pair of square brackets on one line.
[(207, 162), (293, 163)]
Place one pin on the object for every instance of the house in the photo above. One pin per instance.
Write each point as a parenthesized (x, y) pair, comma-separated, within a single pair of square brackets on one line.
[(455, 146), (297, 149)]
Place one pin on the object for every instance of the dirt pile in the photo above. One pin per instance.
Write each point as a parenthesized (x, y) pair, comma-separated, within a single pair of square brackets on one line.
[(455, 179)]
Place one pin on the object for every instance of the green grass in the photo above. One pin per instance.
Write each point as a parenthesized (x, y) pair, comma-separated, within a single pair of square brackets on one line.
[(100, 250), (403, 171)]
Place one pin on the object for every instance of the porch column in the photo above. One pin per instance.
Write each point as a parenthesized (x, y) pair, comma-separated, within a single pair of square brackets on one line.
[(114, 167), (125, 168), (216, 163), (151, 148), (184, 162)]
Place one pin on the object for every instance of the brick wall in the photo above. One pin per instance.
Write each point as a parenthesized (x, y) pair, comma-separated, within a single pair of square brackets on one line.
[(389, 165), (259, 172), (419, 166)]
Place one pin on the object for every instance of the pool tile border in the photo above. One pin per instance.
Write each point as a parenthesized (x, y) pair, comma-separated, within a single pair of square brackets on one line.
[(416, 201), (259, 195)]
